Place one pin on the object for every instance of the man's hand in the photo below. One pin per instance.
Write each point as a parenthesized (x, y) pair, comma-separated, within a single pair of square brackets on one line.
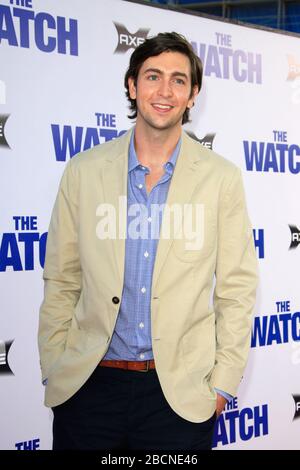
[(221, 402)]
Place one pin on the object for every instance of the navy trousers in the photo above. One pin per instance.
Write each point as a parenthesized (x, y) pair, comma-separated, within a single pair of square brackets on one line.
[(122, 409)]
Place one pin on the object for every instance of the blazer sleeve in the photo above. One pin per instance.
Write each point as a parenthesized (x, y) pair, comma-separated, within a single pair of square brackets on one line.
[(62, 273), (235, 289)]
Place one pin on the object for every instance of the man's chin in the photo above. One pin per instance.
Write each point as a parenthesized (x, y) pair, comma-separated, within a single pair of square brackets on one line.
[(164, 126)]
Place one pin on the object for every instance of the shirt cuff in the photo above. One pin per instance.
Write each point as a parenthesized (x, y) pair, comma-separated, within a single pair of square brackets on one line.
[(227, 396)]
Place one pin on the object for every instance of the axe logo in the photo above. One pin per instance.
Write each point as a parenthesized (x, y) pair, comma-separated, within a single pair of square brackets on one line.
[(297, 406), (207, 141), (3, 119), (126, 40), (4, 349), (295, 237)]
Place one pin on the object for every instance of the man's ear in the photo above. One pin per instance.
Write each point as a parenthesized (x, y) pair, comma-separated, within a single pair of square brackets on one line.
[(132, 88), (194, 93)]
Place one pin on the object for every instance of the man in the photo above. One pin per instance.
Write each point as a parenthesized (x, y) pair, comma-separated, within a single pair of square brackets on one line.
[(132, 353)]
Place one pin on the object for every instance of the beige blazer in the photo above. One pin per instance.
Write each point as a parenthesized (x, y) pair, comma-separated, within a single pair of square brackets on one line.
[(199, 342)]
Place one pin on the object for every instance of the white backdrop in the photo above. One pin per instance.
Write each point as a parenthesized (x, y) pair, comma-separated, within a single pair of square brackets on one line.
[(62, 64)]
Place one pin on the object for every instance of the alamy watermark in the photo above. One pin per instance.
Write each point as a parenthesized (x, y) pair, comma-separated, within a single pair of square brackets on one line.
[(180, 222)]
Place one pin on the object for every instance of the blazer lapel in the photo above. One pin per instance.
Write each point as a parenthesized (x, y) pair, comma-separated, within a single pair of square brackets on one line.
[(183, 184), (114, 180)]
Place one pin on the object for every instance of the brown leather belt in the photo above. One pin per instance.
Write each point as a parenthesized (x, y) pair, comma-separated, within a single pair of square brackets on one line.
[(139, 366)]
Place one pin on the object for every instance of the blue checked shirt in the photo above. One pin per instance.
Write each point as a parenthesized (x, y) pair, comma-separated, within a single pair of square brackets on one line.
[(131, 339)]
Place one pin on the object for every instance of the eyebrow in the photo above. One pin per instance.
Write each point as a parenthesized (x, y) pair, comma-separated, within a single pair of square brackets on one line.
[(173, 74)]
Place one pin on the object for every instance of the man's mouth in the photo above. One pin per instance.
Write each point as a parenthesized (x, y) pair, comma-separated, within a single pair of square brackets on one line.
[(162, 107)]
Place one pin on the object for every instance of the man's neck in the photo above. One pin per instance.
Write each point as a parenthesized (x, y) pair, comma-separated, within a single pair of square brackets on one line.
[(155, 147)]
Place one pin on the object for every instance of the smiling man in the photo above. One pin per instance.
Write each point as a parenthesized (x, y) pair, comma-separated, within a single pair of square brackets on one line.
[(163, 92), (133, 354)]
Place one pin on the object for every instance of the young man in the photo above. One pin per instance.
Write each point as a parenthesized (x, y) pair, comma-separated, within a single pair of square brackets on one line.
[(132, 354)]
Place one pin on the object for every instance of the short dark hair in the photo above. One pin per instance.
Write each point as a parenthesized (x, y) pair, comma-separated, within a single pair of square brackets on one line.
[(154, 46)]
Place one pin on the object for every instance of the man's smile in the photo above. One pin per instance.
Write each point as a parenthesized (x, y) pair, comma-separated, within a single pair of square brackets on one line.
[(162, 107)]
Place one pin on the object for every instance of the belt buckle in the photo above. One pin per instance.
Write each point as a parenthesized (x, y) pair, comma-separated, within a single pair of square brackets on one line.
[(145, 370)]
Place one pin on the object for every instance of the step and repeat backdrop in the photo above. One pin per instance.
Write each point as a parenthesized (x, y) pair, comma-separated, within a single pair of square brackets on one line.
[(62, 64)]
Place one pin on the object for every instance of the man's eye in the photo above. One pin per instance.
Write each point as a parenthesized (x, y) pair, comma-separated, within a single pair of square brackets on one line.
[(179, 81), (152, 77)]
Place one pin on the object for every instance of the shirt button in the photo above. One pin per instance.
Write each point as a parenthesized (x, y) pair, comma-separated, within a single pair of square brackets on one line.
[(149, 219), (140, 186), (142, 356), (146, 254), (142, 167), (141, 325), (143, 289), (115, 300)]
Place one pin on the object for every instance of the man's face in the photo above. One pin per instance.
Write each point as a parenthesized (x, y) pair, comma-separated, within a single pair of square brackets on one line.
[(163, 91)]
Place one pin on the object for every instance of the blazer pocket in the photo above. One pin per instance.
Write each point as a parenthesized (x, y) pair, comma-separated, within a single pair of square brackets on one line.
[(197, 241), (76, 340), (199, 346)]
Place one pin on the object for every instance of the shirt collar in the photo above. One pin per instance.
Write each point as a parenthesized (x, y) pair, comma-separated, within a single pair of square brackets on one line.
[(133, 161)]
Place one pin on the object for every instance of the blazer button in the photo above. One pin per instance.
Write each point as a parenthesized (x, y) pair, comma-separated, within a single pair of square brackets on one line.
[(115, 300)]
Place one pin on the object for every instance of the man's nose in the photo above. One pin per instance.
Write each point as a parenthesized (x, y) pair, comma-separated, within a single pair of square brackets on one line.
[(165, 88)]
